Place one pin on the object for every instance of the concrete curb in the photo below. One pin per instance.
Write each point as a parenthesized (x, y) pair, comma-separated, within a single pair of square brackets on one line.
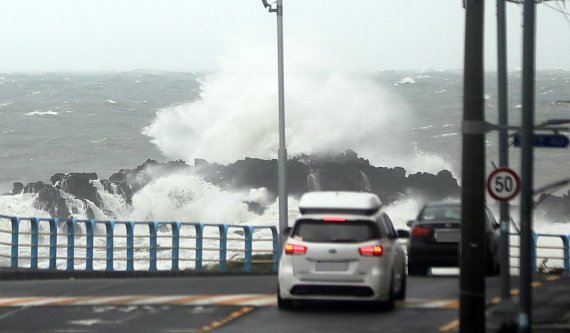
[(37, 274)]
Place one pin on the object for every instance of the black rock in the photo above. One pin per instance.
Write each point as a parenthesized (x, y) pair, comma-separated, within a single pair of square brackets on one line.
[(17, 188), (79, 184), (51, 200), (255, 207), (34, 187), (57, 178)]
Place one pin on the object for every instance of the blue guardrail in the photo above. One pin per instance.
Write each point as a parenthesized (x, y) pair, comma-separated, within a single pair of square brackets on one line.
[(25, 245)]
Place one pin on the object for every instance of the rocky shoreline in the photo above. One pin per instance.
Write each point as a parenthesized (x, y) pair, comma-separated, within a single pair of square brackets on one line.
[(344, 171)]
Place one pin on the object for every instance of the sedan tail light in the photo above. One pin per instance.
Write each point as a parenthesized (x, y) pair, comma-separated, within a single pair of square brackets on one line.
[(295, 249), (421, 231), (371, 250)]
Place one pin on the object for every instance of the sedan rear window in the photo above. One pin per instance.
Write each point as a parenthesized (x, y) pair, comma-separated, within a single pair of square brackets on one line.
[(441, 213), (331, 232)]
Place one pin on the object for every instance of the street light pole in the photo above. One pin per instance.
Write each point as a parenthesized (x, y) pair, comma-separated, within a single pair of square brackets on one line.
[(282, 152), (527, 159), (503, 145)]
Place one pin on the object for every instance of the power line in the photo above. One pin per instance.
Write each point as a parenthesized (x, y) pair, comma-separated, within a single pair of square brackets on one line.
[(560, 10)]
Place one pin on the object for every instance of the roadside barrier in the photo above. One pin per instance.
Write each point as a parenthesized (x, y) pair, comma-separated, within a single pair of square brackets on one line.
[(52, 244), (49, 243), (553, 248)]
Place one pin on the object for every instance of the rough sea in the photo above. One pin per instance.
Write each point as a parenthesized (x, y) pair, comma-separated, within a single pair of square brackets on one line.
[(103, 122)]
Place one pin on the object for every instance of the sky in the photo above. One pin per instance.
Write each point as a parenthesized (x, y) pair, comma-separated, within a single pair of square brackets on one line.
[(191, 35)]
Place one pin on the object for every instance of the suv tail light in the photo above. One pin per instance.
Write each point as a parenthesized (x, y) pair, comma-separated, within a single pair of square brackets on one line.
[(295, 249), (421, 231), (371, 250)]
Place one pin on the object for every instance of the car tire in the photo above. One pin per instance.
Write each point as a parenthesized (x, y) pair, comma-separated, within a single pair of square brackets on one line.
[(389, 304), (283, 304), (401, 294), (417, 269), (493, 267)]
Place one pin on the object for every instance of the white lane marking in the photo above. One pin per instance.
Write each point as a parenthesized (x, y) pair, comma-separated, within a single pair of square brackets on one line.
[(86, 322), (155, 300)]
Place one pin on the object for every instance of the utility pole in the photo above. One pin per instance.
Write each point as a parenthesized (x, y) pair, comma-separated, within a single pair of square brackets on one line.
[(503, 145), (527, 159), (282, 152), (472, 260)]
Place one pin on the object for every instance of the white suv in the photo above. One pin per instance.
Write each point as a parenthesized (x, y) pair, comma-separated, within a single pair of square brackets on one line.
[(342, 247)]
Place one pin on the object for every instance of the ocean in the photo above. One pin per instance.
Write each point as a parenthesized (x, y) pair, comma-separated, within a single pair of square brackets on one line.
[(104, 122)]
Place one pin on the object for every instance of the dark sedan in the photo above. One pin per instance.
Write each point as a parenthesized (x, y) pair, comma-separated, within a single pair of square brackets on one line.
[(435, 235)]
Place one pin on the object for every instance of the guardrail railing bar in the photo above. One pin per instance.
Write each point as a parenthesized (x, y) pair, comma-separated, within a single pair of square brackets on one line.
[(153, 229), (90, 229), (248, 247), (130, 246), (199, 244), (175, 266), (34, 229), (223, 228), (15, 221), (110, 229), (53, 243), (70, 243), (566, 242)]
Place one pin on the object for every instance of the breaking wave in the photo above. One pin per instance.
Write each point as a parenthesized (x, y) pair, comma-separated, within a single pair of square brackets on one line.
[(327, 110)]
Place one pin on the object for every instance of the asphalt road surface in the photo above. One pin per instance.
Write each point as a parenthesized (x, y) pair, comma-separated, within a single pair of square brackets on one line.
[(215, 304)]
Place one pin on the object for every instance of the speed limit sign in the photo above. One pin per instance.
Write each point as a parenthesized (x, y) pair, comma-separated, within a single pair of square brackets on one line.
[(503, 184)]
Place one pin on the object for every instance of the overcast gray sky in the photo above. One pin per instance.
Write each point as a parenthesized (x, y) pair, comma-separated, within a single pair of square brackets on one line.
[(52, 35)]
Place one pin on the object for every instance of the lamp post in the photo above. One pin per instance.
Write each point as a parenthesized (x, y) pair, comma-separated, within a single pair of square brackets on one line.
[(282, 152), (527, 169)]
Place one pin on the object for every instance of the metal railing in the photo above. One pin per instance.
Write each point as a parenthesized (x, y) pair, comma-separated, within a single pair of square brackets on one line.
[(49, 243), (546, 247), (36, 243)]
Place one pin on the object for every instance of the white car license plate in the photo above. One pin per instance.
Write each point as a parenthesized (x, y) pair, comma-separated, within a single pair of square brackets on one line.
[(447, 237), (329, 266)]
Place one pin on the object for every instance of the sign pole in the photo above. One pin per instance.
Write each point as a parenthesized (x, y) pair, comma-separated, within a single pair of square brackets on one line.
[(503, 146), (527, 158), (472, 260)]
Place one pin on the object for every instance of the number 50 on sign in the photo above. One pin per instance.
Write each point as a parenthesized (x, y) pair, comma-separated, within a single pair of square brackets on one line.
[(503, 184)]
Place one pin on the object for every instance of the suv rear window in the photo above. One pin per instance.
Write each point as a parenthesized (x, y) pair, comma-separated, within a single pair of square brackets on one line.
[(331, 232)]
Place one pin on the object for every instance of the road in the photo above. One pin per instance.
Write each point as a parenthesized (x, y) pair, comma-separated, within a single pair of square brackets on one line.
[(214, 304)]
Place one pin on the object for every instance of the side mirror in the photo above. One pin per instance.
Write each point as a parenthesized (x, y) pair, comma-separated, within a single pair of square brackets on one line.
[(410, 223), (403, 233)]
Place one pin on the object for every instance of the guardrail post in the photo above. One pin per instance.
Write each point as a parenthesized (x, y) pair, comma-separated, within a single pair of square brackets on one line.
[(566, 242), (90, 230), (276, 250), (153, 229), (534, 239), (53, 222), (248, 247), (130, 228), (70, 243), (109, 228), (15, 233), (223, 246), (175, 246), (199, 246), (34, 228)]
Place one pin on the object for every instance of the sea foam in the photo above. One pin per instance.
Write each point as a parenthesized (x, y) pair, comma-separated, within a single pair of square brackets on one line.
[(327, 110)]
